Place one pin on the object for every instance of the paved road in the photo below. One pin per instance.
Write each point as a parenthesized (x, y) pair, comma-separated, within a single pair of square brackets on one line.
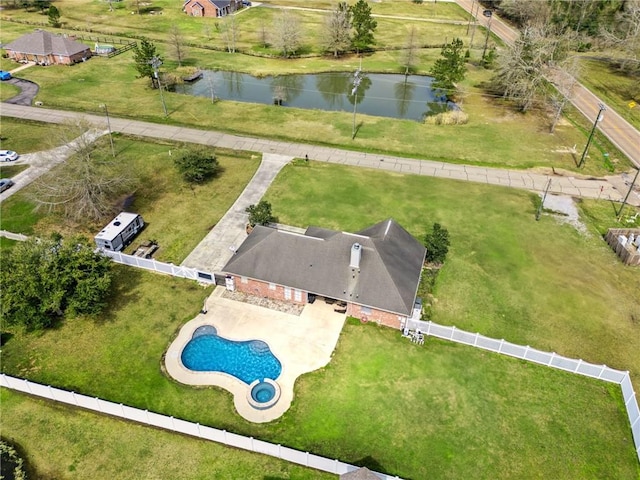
[(620, 132), (570, 184), (41, 162)]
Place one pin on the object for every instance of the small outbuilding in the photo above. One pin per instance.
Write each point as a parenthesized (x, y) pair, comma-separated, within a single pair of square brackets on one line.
[(119, 232), (45, 48)]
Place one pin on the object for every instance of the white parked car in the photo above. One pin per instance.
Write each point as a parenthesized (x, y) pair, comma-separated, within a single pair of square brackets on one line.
[(8, 156)]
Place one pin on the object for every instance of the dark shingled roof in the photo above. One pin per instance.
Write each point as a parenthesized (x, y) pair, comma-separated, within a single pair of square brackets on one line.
[(319, 262), (361, 474), (45, 43)]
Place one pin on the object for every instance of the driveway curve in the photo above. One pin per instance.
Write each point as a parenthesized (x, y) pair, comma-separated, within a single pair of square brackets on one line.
[(28, 92)]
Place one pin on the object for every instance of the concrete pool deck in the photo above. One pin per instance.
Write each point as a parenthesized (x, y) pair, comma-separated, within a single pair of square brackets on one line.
[(302, 344)]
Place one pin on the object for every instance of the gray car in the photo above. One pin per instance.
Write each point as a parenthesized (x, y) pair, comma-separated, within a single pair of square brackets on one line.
[(5, 183)]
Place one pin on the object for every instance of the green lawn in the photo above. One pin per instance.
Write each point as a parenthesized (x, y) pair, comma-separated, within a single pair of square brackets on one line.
[(24, 136), (436, 403), (612, 87), (69, 443), (507, 276), (178, 216), (495, 135)]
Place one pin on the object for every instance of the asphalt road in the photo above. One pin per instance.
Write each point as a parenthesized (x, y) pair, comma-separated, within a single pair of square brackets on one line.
[(620, 132)]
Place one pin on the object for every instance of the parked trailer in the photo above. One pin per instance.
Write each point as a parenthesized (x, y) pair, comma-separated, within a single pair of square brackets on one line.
[(120, 231)]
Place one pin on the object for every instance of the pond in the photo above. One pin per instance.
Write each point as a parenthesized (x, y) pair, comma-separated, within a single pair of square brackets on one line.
[(384, 95)]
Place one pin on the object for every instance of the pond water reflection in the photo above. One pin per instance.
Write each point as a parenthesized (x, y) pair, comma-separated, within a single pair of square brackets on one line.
[(383, 95)]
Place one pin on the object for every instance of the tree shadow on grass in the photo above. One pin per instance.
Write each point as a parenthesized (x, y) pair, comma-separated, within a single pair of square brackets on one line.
[(123, 291), (371, 463)]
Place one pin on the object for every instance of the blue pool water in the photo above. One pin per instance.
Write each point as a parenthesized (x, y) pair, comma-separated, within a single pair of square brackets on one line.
[(247, 361)]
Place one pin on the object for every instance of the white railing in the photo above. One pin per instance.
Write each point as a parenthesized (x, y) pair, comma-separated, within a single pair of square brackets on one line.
[(181, 426), (580, 367), (160, 267)]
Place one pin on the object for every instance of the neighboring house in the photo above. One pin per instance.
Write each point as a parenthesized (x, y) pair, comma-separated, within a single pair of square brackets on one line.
[(211, 8), (45, 48), (376, 271), (361, 474)]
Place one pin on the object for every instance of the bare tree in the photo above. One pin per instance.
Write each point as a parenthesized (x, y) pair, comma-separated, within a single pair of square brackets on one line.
[(527, 12), (230, 32), (564, 79), (337, 29), (411, 52), (523, 66), (136, 5), (177, 44), (264, 36), (87, 184), (206, 29), (286, 32), (624, 36)]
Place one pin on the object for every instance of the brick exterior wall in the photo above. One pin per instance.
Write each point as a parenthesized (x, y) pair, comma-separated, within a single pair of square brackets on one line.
[(204, 8), (49, 59), (388, 319), (261, 289)]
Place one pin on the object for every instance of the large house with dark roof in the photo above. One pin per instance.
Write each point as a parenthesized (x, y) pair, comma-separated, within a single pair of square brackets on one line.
[(45, 48), (376, 271), (211, 8)]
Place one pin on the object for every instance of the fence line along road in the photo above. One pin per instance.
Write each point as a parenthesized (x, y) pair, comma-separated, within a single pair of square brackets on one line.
[(620, 132), (553, 360), (203, 432)]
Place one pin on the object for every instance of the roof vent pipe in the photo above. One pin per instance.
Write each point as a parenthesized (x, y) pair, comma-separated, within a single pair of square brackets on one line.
[(356, 253)]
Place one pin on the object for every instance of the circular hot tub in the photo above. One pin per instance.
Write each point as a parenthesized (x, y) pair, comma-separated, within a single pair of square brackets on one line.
[(263, 393)]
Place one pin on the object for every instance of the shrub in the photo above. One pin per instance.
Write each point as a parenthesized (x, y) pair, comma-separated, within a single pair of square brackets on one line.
[(437, 243), (452, 117)]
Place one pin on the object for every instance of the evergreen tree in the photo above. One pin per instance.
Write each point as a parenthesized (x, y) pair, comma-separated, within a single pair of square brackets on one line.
[(363, 25), (54, 16), (142, 55), (451, 68), (437, 243)]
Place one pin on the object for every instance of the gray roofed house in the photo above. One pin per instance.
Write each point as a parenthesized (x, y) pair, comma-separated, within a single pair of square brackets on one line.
[(376, 271), (361, 474), (211, 8), (45, 48)]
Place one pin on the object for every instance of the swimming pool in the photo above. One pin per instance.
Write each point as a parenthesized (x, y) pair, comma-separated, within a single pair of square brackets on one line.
[(248, 361)]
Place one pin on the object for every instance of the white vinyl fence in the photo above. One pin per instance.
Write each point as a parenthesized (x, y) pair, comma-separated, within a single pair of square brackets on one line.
[(160, 267), (601, 372), (181, 426)]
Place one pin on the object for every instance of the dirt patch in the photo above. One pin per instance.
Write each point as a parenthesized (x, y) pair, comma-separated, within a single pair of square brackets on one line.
[(564, 209)]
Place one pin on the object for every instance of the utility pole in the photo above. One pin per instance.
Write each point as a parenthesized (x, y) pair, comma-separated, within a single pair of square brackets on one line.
[(599, 118), (475, 23), (356, 83), (469, 22), (106, 112), (626, 197), (155, 62), (544, 197), (487, 13)]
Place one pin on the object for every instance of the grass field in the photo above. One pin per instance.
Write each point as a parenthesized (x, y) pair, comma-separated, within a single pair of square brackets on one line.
[(68, 443), (177, 216), (494, 136), (435, 403), (507, 275), (612, 87)]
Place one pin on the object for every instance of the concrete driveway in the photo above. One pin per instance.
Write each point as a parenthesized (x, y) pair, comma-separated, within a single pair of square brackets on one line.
[(214, 251)]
